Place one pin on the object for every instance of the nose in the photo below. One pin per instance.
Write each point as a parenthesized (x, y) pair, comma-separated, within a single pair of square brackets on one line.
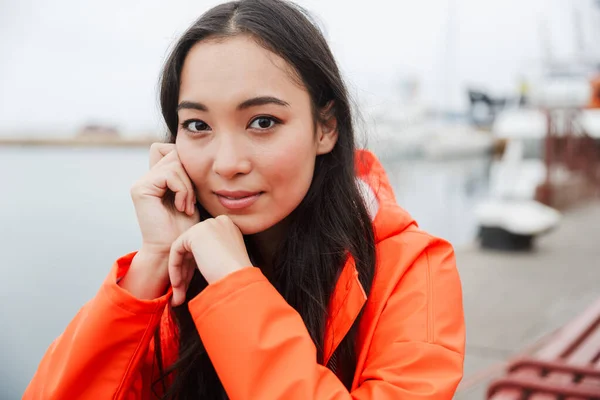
[(231, 159)]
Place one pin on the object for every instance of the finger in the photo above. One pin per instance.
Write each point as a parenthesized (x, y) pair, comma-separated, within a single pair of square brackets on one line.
[(190, 267), (157, 183), (223, 218), (190, 195), (176, 273), (172, 162), (170, 158), (186, 178), (192, 202), (184, 203), (158, 151), (226, 221), (181, 202), (173, 181)]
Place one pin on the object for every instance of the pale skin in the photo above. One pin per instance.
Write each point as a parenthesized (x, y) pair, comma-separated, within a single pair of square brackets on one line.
[(246, 125)]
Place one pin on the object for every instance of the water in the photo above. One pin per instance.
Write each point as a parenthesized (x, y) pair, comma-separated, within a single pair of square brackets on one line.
[(66, 215)]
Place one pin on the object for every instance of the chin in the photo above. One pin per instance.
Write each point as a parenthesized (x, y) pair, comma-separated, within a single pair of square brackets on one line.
[(250, 224)]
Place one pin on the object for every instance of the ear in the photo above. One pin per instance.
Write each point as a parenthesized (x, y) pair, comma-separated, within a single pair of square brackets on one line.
[(327, 133)]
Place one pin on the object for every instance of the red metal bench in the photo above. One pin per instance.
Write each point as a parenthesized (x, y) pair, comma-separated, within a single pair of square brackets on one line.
[(567, 367)]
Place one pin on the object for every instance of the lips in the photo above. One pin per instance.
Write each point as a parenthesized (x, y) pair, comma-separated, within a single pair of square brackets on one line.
[(237, 200)]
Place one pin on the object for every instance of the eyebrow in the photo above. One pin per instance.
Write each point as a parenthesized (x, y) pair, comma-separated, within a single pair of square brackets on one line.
[(253, 102)]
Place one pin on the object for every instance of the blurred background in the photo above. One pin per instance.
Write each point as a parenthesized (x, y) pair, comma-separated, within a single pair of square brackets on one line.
[(484, 113)]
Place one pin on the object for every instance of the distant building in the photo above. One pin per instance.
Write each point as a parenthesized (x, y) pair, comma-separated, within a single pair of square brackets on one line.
[(93, 131)]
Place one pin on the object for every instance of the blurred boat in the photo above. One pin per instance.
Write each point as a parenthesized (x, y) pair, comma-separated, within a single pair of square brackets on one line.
[(515, 213), (408, 131)]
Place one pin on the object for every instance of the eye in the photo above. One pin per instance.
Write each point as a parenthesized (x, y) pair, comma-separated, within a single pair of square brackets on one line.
[(195, 125), (264, 123)]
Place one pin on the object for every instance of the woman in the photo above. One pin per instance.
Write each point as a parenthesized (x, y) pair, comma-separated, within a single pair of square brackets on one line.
[(275, 263)]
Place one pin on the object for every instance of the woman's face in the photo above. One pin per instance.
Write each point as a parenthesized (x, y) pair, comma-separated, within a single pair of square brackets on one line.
[(246, 134)]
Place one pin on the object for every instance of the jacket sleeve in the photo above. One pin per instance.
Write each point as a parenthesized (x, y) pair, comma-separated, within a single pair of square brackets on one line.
[(261, 348), (103, 352)]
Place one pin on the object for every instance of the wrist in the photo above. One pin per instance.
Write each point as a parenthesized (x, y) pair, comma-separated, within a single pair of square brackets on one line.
[(148, 276), (154, 252), (216, 275), (154, 266)]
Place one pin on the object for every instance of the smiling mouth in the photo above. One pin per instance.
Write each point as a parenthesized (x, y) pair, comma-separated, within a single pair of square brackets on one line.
[(237, 200)]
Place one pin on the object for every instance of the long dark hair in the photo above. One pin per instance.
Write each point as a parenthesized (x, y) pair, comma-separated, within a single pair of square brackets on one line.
[(330, 223)]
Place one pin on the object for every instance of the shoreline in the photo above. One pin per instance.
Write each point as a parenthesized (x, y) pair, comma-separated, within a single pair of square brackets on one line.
[(80, 141)]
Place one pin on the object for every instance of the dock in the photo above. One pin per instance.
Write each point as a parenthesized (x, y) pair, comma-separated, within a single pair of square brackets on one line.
[(514, 300)]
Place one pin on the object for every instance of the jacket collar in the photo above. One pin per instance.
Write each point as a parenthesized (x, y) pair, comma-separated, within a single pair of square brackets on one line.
[(349, 297)]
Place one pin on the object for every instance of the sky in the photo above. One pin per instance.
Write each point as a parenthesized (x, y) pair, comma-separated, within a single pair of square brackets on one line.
[(66, 63)]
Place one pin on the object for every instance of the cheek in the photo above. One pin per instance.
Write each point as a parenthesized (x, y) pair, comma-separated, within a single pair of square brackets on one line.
[(194, 164), (290, 168)]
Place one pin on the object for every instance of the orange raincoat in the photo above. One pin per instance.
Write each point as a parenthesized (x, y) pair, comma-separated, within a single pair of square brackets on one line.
[(410, 342)]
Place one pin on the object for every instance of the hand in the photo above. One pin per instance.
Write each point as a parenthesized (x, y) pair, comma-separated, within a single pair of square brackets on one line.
[(217, 247), (162, 219)]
